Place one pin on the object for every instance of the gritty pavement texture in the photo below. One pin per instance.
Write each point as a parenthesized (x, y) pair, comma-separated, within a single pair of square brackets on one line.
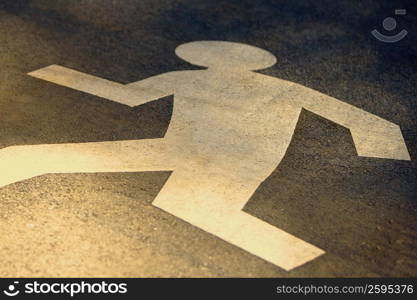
[(361, 211)]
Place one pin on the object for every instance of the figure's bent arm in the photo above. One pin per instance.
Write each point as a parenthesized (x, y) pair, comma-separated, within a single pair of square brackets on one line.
[(372, 135), (125, 94)]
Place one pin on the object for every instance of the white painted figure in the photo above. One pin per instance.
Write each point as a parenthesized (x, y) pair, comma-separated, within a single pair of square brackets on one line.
[(230, 129)]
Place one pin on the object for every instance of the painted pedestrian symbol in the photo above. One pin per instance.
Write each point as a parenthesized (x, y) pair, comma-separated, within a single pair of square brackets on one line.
[(230, 129)]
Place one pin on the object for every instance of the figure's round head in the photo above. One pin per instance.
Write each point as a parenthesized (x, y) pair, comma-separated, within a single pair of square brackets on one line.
[(226, 55)]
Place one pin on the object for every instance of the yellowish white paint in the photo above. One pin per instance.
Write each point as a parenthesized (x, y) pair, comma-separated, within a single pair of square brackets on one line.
[(230, 129)]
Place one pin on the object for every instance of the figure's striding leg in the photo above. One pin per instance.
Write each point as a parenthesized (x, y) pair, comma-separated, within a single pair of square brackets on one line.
[(213, 203), (18, 163)]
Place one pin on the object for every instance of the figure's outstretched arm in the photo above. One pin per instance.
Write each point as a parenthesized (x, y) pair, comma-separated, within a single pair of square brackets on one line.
[(125, 94), (372, 135)]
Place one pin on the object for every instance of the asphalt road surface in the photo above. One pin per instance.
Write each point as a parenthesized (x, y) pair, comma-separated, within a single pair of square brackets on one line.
[(361, 211)]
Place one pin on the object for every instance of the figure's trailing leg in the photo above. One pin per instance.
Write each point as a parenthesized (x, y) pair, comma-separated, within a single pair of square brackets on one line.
[(18, 163)]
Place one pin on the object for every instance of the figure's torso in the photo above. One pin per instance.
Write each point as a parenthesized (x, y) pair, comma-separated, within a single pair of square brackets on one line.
[(232, 117)]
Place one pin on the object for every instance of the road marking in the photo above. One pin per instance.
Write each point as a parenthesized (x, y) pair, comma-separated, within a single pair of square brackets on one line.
[(230, 129)]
